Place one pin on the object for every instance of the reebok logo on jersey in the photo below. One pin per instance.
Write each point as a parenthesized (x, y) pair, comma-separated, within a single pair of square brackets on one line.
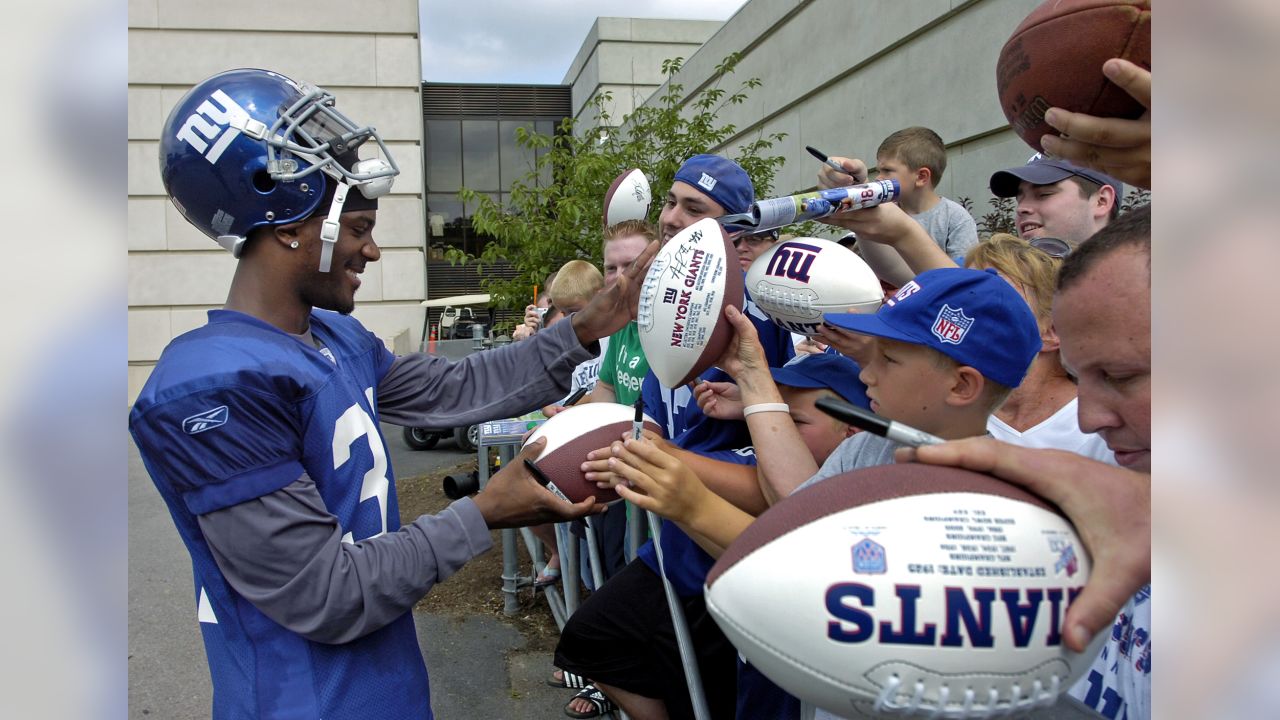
[(207, 420)]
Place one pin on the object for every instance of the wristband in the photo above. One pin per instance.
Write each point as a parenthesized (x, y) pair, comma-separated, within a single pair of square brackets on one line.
[(765, 407)]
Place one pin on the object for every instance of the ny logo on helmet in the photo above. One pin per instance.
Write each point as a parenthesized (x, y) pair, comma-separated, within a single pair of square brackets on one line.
[(210, 129)]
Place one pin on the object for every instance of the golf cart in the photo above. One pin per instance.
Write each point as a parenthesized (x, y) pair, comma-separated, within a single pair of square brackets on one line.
[(461, 332)]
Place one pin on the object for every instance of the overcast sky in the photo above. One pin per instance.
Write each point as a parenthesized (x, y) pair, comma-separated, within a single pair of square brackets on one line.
[(529, 41)]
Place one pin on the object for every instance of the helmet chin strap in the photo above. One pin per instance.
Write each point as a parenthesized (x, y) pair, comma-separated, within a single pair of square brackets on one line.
[(329, 230)]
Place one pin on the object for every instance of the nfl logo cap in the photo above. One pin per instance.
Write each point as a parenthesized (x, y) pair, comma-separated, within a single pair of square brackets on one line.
[(974, 317), (828, 370), (722, 179), (1042, 170)]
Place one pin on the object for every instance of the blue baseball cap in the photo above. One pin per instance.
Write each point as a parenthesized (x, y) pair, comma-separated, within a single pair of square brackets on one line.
[(828, 370), (1042, 170), (721, 179), (974, 317)]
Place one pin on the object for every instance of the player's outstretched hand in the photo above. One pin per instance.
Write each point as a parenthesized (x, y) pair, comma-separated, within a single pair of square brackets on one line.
[(513, 498), (614, 306), (720, 400), (1109, 506), (657, 481), (1118, 147)]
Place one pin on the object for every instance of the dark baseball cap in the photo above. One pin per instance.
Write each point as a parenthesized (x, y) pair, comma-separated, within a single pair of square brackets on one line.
[(1042, 170), (824, 370)]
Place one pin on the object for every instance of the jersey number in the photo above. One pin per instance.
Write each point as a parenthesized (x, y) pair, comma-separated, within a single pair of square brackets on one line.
[(355, 424)]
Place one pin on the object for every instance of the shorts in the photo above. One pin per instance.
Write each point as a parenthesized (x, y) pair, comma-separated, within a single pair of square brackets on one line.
[(623, 636)]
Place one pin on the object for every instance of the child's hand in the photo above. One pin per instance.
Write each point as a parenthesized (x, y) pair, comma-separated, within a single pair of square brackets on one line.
[(598, 469), (720, 400), (658, 482), (829, 178), (810, 346), (744, 354), (856, 346)]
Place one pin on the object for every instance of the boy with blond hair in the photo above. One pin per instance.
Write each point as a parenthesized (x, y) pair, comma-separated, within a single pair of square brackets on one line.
[(916, 158), (576, 282)]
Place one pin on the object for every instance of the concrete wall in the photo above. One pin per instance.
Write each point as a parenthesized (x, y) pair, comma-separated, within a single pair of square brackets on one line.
[(369, 59), (624, 56), (841, 76)]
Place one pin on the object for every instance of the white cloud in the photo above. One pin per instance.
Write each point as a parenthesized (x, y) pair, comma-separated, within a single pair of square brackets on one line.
[(529, 41)]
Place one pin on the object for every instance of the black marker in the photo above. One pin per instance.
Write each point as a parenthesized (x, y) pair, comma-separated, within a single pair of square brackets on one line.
[(637, 425), (575, 397), (829, 162), (871, 422), (537, 473)]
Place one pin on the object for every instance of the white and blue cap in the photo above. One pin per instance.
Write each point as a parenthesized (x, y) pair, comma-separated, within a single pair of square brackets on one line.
[(829, 370), (974, 317), (721, 179)]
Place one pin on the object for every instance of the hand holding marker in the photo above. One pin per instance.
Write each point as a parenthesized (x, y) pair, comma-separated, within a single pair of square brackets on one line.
[(778, 212)]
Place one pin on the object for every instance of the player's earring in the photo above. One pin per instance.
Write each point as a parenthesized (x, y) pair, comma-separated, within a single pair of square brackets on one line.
[(294, 244)]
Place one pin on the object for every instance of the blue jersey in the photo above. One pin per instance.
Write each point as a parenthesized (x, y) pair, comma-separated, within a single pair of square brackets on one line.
[(689, 428), (236, 410)]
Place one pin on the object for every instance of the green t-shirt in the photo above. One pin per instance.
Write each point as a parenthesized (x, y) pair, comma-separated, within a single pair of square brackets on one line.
[(624, 365)]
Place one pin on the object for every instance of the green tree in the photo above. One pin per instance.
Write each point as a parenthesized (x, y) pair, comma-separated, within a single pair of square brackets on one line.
[(546, 225)]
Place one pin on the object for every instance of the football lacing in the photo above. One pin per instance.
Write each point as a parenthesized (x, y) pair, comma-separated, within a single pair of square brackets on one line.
[(785, 298), (644, 310), (1037, 698)]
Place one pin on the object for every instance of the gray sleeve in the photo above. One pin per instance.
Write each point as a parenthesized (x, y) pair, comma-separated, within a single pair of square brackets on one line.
[(425, 391), (962, 231), (284, 553), (863, 450)]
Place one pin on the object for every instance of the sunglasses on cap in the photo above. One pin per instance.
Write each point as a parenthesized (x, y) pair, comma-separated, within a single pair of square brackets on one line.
[(757, 239), (1051, 246)]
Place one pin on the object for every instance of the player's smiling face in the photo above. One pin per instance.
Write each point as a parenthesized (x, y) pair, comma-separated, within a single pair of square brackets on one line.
[(356, 248)]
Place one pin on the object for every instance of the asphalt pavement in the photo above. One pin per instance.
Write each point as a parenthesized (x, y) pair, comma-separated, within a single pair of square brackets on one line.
[(477, 665)]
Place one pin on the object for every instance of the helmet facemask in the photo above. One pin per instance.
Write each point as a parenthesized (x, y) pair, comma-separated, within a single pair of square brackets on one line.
[(313, 130)]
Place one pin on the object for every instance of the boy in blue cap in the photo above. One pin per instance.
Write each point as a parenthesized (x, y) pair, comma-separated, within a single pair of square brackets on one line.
[(951, 344)]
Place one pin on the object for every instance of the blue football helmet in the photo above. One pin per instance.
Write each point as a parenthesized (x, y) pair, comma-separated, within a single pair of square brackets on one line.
[(247, 148)]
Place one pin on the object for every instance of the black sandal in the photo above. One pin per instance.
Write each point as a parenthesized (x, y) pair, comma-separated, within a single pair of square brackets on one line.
[(591, 694), (568, 680)]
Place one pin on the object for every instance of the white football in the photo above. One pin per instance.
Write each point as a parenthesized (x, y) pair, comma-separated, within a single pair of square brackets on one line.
[(907, 588), (692, 280), (796, 281), (627, 199)]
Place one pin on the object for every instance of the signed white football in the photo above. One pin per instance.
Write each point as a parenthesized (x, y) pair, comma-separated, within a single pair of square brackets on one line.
[(574, 432), (796, 281), (627, 199), (907, 588), (681, 315)]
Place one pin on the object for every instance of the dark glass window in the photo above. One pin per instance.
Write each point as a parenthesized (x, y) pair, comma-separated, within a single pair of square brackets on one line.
[(480, 155), (444, 155)]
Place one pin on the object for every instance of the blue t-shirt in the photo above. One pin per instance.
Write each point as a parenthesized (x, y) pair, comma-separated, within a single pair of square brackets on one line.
[(689, 428), (238, 409)]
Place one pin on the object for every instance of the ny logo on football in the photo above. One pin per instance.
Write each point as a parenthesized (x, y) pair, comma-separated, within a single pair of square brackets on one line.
[(212, 127)]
